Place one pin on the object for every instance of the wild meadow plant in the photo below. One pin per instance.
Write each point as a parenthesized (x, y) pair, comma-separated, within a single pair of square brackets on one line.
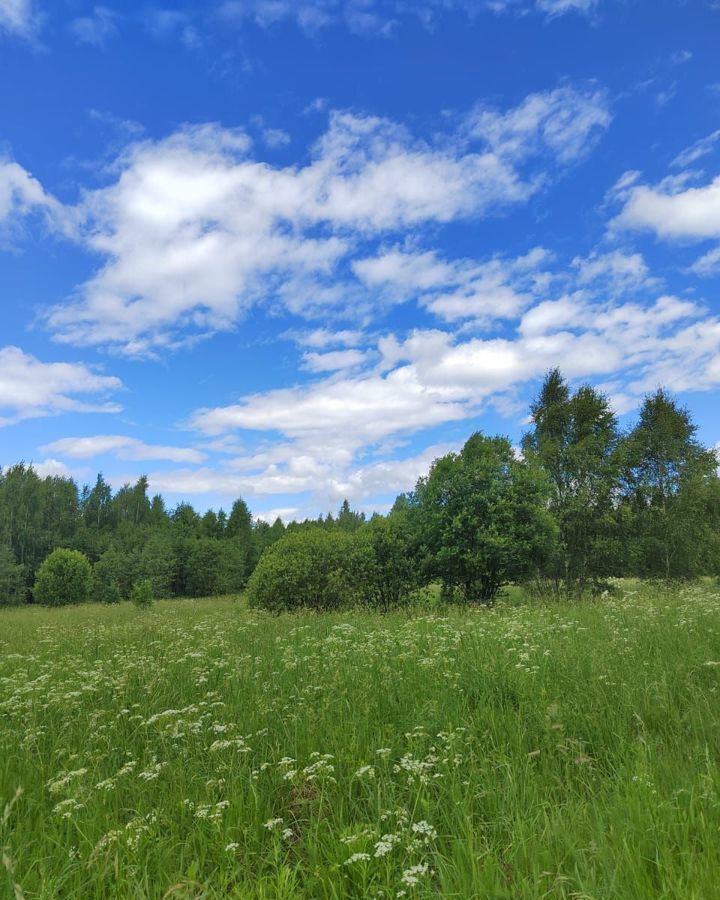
[(204, 750)]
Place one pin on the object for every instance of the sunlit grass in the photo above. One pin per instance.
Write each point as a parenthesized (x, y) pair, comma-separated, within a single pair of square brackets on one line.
[(203, 750)]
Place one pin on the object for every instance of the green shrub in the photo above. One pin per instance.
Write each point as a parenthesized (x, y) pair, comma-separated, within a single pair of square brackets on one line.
[(142, 594), (64, 577), (310, 568), (385, 550)]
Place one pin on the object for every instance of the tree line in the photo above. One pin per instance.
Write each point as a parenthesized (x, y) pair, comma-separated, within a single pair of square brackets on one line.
[(580, 502)]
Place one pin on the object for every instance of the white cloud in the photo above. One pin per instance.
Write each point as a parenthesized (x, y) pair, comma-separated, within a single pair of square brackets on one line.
[(708, 263), (554, 315), (122, 447), (321, 338), (615, 271), (566, 122), (52, 468), (97, 28), (339, 435), (30, 388), (672, 210), (363, 409), (194, 231), (462, 289), (20, 195), (285, 513), (327, 482), (17, 17), (275, 138), (333, 361), (327, 428), (696, 151)]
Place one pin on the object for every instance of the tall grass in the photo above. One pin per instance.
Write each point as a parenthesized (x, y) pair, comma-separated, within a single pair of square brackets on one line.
[(202, 750)]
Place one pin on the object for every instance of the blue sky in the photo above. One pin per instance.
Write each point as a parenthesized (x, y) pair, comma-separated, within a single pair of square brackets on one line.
[(296, 250)]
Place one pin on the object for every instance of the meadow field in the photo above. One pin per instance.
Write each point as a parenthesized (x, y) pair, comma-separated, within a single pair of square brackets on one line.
[(200, 749)]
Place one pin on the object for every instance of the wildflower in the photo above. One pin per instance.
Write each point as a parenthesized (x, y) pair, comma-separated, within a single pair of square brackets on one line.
[(426, 829), (272, 824), (357, 857), (385, 844), (412, 876)]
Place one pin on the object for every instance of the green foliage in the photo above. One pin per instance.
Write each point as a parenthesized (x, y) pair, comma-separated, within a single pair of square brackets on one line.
[(309, 568), (240, 531), (12, 580), (113, 575), (386, 547), (671, 486), (107, 577), (63, 578), (142, 594), (348, 520), (214, 567), (574, 439), (482, 519), (156, 562)]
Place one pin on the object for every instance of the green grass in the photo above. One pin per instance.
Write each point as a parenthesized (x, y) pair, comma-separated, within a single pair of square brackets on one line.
[(534, 751)]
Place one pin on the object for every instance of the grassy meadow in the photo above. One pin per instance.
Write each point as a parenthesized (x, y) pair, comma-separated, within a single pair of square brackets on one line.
[(203, 750)]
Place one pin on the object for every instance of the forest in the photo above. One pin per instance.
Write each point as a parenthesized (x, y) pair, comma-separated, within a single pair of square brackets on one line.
[(579, 503)]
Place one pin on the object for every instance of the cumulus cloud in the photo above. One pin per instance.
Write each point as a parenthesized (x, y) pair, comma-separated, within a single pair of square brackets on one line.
[(194, 230), (364, 409), (122, 447), (672, 210), (498, 288), (30, 388), (327, 429)]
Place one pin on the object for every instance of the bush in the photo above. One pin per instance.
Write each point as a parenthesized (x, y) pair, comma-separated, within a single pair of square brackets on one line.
[(310, 568), (142, 594), (63, 578), (384, 549)]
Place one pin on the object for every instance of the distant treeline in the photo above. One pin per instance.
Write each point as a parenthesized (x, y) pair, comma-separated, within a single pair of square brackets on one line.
[(583, 502)]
